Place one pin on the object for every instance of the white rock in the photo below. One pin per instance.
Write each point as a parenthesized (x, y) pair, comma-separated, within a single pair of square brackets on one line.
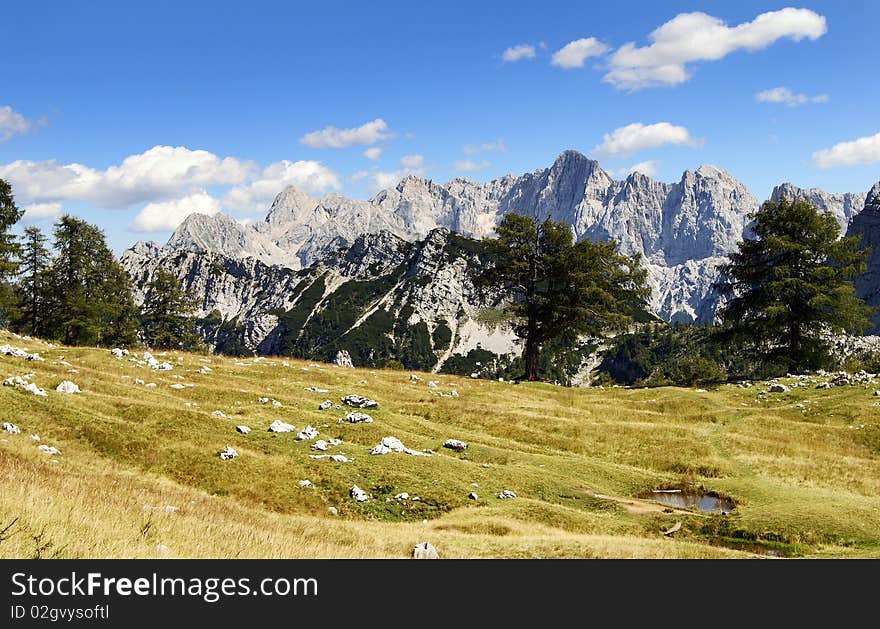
[(280, 426), (117, 353), (357, 418), (333, 510), (21, 383), (307, 434), (176, 385), (243, 429), (11, 428), (219, 414), (359, 401), (388, 444), (425, 550), (316, 390), (402, 496), (506, 494), (35, 437), (139, 381), (204, 370), (305, 483), (358, 494), (228, 453), (320, 444), (50, 450), (326, 404), (473, 496), (779, 388), (150, 385), (455, 444)]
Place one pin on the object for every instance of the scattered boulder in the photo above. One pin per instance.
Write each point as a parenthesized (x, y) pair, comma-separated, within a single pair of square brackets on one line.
[(11, 428), (17, 352), (320, 445), (414, 378), (779, 388), (176, 385), (228, 453), (359, 401), (204, 370), (357, 418), (22, 383), (35, 437), (50, 450), (473, 496), (219, 414), (307, 434), (425, 550), (266, 400), (280, 426), (338, 458), (316, 390), (455, 444), (506, 494), (388, 444), (675, 528), (150, 385), (243, 430), (305, 483), (358, 494), (343, 359), (332, 510), (326, 404)]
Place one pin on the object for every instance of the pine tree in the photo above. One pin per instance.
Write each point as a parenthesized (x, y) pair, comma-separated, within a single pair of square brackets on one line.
[(167, 315), (9, 249), (90, 294), (560, 289), (32, 286), (791, 286)]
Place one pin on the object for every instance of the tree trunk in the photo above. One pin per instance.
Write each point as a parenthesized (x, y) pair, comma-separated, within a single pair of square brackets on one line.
[(531, 353)]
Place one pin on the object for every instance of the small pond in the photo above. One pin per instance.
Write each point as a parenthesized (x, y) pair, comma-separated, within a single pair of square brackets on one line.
[(692, 499)]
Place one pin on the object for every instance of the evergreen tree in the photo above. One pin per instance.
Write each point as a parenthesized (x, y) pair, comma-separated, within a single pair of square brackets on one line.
[(560, 289), (167, 315), (9, 249), (32, 285), (791, 286), (91, 302)]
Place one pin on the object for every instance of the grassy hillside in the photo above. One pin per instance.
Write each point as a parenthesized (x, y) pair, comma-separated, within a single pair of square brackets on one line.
[(583, 463)]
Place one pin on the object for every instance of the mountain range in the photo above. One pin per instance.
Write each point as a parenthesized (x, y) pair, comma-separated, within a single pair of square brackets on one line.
[(396, 265)]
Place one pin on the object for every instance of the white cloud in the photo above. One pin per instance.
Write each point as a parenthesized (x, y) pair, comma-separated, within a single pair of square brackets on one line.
[(409, 165), (39, 211), (469, 165), (860, 151), (412, 162), (787, 97), (573, 54), (331, 137), (373, 153), (648, 168), (159, 173), (499, 146), (12, 123), (635, 137), (521, 51), (167, 215), (690, 37), (307, 175)]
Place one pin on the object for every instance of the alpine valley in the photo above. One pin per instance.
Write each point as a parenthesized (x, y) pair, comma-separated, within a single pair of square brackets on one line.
[(392, 277)]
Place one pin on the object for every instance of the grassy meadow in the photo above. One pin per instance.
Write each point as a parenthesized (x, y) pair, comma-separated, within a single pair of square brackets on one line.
[(803, 467)]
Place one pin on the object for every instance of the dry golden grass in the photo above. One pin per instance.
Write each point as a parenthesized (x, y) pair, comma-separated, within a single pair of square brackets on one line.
[(805, 483)]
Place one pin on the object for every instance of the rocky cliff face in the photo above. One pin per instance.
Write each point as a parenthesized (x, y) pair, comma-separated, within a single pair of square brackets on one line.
[(381, 298), (843, 206), (677, 227), (866, 224)]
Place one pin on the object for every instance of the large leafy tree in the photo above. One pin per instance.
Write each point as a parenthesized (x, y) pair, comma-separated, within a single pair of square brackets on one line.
[(791, 285), (91, 301), (9, 247), (32, 287), (167, 317), (559, 289)]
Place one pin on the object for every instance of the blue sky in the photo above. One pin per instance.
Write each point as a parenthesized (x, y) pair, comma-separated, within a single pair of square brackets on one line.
[(131, 115)]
